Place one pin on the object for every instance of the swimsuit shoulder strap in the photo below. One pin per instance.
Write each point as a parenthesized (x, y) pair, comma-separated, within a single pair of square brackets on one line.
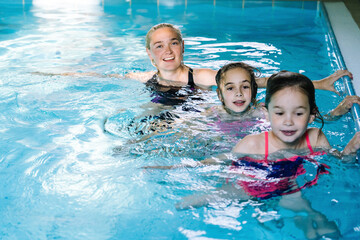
[(308, 142), (266, 145), (152, 81), (191, 82)]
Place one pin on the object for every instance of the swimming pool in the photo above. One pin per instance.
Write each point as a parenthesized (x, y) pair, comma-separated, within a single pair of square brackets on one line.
[(63, 177)]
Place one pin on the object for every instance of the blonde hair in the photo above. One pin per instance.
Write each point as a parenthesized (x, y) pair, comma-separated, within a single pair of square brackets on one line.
[(162, 25)]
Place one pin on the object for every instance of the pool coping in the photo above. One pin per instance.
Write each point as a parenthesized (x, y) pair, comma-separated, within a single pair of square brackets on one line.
[(347, 35)]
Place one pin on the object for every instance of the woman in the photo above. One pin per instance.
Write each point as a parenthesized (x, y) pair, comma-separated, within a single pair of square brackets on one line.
[(165, 48)]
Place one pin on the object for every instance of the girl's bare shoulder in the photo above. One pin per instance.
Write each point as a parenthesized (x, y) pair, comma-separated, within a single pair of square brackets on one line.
[(317, 138), (251, 144)]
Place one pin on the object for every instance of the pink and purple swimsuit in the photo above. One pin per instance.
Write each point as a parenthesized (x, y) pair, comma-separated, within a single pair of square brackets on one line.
[(275, 178)]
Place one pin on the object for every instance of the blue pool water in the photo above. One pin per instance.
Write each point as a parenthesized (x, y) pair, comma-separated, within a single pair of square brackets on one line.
[(63, 177)]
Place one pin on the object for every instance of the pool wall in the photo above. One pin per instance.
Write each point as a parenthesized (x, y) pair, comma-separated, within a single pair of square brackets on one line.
[(347, 35)]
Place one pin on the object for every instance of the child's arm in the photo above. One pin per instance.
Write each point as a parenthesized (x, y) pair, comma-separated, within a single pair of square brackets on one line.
[(342, 108)]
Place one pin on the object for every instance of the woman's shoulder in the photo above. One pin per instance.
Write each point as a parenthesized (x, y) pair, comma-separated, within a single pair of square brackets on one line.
[(204, 77)]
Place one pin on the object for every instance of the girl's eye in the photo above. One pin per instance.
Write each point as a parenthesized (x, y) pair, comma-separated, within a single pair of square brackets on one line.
[(299, 114), (229, 88), (246, 87), (279, 113), (175, 43)]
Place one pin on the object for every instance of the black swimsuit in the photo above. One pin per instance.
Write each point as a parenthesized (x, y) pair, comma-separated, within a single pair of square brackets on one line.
[(166, 95), (169, 95)]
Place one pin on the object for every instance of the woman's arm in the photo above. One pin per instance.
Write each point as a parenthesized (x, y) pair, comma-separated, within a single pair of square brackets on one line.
[(348, 155), (139, 76), (328, 82), (342, 108), (353, 146), (323, 84), (261, 82)]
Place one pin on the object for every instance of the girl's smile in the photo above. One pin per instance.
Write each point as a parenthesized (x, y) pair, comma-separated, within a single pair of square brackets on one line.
[(288, 133), (239, 103), (235, 91)]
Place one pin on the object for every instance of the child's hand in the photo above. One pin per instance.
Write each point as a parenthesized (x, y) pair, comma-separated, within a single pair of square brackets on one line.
[(345, 105), (353, 146)]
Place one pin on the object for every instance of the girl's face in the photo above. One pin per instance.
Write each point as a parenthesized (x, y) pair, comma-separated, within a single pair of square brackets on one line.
[(289, 115), (165, 49), (235, 90)]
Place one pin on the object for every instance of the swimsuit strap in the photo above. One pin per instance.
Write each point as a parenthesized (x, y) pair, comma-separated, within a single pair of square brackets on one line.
[(308, 143), (191, 82), (266, 145), (152, 81)]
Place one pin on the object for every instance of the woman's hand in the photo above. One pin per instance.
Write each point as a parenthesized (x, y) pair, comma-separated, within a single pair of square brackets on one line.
[(345, 106), (328, 82)]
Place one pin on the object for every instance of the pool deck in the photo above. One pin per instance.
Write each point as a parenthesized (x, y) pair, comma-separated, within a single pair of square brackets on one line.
[(347, 33), (353, 6)]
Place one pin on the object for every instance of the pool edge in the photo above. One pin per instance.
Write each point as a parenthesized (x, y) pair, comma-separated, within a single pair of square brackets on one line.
[(347, 36), (347, 40)]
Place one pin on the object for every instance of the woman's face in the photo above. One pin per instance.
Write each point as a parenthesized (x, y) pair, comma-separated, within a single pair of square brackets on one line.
[(165, 49)]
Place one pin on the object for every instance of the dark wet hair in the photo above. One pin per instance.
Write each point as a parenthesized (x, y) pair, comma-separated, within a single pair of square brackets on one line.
[(251, 70), (285, 79)]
